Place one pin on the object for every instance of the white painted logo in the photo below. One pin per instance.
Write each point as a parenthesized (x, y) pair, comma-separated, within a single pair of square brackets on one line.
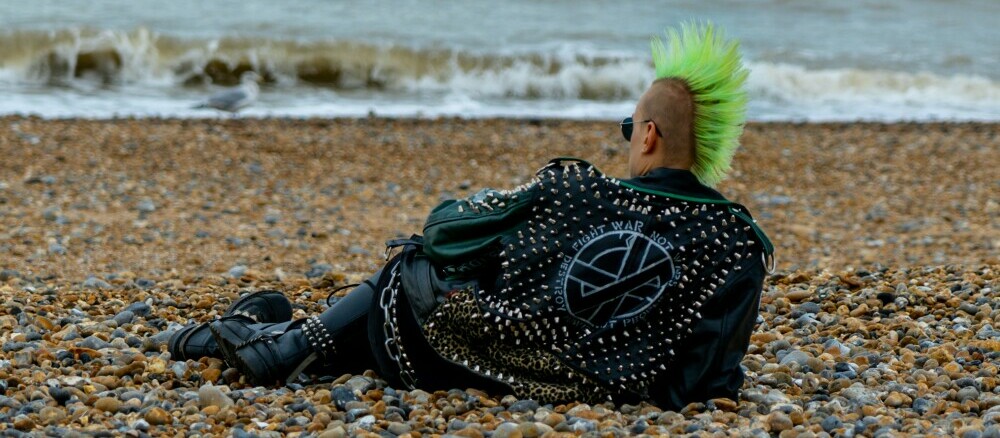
[(616, 275)]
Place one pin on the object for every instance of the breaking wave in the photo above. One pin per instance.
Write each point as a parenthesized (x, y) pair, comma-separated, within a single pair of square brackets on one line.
[(110, 57), (105, 59)]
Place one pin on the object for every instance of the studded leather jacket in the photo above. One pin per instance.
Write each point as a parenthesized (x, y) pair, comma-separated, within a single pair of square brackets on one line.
[(578, 286)]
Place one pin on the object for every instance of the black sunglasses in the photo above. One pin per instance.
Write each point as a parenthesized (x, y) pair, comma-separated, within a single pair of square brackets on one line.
[(628, 124)]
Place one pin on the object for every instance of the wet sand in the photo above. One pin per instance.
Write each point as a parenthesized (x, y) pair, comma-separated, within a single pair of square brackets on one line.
[(887, 239)]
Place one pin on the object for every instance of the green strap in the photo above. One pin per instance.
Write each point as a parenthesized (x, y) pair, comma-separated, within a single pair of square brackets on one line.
[(768, 246), (734, 208), (676, 196)]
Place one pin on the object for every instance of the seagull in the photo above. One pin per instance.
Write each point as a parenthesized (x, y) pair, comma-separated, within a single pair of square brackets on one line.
[(235, 99)]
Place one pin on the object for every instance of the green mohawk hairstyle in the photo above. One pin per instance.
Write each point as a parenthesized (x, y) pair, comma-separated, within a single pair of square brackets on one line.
[(700, 56)]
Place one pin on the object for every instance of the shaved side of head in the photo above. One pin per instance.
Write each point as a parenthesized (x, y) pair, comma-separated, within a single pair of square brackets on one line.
[(669, 103)]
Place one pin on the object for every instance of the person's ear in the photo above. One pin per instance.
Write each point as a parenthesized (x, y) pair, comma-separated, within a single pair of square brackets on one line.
[(649, 140)]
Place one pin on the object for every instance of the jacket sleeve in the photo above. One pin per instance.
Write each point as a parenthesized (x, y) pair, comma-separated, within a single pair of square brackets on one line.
[(708, 366), (460, 235)]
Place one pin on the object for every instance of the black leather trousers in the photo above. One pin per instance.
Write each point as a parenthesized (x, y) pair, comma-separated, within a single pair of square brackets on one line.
[(347, 323)]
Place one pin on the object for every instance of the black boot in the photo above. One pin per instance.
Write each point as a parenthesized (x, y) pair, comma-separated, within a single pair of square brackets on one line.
[(195, 341), (331, 343), (264, 357)]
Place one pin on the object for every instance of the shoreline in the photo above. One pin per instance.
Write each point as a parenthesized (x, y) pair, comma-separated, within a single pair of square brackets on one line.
[(220, 117)]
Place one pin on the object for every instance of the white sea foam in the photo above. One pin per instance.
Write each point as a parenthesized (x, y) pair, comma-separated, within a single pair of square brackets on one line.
[(80, 73), (795, 83)]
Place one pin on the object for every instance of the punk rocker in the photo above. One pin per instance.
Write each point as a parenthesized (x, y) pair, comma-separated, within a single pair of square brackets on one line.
[(574, 286)]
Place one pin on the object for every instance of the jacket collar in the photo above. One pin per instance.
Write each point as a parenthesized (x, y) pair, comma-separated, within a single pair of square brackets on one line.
[(676, 182)]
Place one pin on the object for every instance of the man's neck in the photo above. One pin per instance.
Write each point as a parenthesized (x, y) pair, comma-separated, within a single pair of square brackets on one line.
[(673, 163)]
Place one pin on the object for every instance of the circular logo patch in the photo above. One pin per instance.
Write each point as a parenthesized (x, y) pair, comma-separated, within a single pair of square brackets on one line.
[(617, 275)]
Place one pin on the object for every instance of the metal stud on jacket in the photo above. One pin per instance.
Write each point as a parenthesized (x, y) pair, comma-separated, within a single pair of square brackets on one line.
[(622, 281)]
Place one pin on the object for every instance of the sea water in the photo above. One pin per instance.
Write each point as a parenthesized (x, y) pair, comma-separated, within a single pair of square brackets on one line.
[(809, 60)]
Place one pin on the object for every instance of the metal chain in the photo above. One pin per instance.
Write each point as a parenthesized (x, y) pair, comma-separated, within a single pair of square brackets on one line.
[(387, 301)]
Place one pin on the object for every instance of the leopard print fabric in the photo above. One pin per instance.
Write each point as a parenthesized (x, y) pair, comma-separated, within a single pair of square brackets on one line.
[(458, 331)]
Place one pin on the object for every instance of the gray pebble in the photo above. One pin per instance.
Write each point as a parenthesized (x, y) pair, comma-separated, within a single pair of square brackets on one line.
[(968, 307), (23, 358), (298, 407), (140, 308), (255, 167), (921, 405), (140, 424), (523, 406), (237, 271), (341, 396), (119, 343), (124, 317), (272, 218), (860, 395), (640, 427), (60, 395), (831, 423), (145, 283), (804, 320), (774, 199), (7, 274), (356, 413), (129, 395), (366, 422), (774, 397), (209, 395), (583, 425), (198, 426), (318, 270), (968, 393), (506, 430), (397, 429), (778, 345), (360, 384), (809, 307), (161, 338), (7, 402), (146, 206), (456, 424), (992, 432), (56, 248), (93, 342), (93, 282), (14, 346), (51, 213), (795, 356)]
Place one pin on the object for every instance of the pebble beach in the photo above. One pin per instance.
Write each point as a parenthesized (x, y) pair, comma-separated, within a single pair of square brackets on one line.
[(880, 319)]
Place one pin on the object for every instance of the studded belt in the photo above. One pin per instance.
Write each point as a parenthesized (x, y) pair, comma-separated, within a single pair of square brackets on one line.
[(393, 345)]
